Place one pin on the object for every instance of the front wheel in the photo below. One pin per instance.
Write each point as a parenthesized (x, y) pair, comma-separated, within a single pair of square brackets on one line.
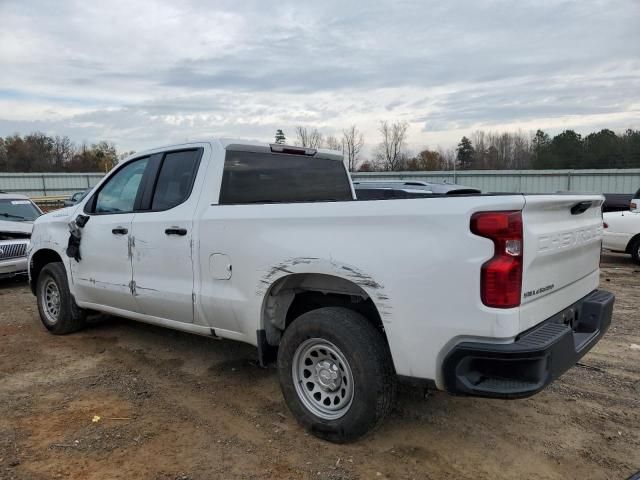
[(336, 373), (58, 311)]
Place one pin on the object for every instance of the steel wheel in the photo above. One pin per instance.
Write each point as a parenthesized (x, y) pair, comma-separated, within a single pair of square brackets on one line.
[(322, 378), (51, 300)]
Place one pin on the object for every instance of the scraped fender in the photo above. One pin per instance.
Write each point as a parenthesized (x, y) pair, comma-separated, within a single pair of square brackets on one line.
[(373, 288)]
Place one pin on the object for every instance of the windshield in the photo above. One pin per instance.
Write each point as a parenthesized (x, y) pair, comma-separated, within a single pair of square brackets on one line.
[(19, 210)]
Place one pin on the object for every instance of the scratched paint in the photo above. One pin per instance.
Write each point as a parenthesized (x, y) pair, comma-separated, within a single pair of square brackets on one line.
[(358, 277)]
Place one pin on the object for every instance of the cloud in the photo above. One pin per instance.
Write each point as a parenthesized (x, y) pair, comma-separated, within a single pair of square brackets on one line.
[(151, 72)]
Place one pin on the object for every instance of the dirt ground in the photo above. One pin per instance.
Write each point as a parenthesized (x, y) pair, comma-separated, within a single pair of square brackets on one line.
[(178, 406)]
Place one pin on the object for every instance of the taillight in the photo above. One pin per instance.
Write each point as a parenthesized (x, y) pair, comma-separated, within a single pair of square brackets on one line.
[(605, 224), (633, 206), (501, 276)]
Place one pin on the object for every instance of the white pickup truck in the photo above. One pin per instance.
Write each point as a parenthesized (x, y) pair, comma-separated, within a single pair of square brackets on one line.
[(486, 295)]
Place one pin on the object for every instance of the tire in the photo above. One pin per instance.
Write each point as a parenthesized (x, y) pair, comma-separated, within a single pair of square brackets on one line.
[(351, 368), (58, 310), (635, 250)]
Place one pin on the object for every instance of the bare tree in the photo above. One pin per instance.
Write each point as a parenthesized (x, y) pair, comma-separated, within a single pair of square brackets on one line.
[(390, 152), (63, 150), (503, 150), (479, 144), (4, 157), (332, 143), (448, 157), (308, 138), (353, 141)]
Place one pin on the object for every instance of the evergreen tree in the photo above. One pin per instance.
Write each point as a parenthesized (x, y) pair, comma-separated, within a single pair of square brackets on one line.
[(465, 154), (603, 150), (567, 150), (280, 138), (541, 153)]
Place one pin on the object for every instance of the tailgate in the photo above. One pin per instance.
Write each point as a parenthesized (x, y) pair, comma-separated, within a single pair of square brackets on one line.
[(562, 237)]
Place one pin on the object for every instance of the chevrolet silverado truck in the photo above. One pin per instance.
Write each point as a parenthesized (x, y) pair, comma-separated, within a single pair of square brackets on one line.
[(480, 294)]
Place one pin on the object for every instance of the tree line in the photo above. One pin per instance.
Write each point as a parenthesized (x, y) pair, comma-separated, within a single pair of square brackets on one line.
[(566, 150), (482, 150), (37, 152)]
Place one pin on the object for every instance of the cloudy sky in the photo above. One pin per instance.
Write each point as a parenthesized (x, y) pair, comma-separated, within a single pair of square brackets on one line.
[(142, 73)]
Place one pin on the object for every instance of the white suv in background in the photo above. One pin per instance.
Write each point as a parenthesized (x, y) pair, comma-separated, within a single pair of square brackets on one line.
[(634, 206), (622, 232), (17, 214)]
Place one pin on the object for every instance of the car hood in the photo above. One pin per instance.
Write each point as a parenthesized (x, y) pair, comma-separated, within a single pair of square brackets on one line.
[(9, 227)]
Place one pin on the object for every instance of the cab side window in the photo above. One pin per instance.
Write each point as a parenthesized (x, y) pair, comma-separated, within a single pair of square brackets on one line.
[(118, 195), (175, 180)]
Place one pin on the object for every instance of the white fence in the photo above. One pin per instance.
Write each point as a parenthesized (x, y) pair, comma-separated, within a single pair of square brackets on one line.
[(526, 181), (529, 181)]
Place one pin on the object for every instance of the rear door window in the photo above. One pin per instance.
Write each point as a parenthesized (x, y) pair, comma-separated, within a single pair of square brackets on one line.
[(251, 177), (175, 180)]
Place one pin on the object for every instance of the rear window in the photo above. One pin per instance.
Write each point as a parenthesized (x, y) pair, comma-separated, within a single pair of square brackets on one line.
[(251, 177)]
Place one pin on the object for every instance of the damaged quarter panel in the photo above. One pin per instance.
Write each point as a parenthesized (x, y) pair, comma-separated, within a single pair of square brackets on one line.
[(400, 259)]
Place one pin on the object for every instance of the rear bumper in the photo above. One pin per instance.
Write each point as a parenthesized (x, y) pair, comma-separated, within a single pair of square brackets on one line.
[(537, 357)]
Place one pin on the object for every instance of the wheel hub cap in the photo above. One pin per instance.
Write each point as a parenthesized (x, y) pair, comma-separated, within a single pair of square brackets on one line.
[(51, 301), (323, 378), (327, 375)]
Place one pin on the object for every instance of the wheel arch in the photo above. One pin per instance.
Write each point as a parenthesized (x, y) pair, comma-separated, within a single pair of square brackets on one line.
[(296, 293), (634, 239), (37, 262)]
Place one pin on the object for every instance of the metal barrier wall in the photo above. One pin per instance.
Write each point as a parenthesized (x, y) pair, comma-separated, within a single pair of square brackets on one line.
[(526, 181), (47, 184)]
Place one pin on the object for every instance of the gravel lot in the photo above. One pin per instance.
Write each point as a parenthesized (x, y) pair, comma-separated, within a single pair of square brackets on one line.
[(177, 406)]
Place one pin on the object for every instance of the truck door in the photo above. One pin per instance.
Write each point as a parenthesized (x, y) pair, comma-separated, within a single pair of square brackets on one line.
[(162, 238), (103, 275)]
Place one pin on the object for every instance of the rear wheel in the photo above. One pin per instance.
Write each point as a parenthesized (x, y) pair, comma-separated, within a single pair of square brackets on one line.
[(58, 311), (336, 373), (635, 250)]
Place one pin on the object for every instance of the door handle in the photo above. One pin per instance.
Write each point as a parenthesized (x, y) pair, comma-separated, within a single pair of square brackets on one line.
[(119, 231), (176, 231)]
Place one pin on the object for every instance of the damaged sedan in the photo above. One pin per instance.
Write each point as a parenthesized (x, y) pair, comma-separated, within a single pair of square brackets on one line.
[(17, 214)]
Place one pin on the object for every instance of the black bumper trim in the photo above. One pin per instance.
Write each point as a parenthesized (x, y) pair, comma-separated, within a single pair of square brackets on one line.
[(536, 358)]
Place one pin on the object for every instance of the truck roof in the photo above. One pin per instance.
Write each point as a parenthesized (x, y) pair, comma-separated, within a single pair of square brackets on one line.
[(250, 146)]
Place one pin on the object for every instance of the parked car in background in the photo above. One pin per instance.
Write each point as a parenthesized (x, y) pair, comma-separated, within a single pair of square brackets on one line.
[(394, 189), (634, 206), (17, 214), (476, 294), (617, 202), (622, 232), (76, 197)]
